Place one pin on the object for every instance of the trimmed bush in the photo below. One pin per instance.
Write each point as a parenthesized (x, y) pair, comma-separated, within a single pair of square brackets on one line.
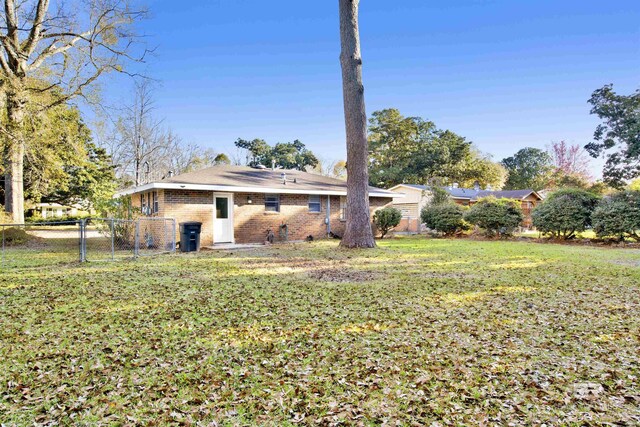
[(445, 218), (618, 216), (497, 217), (565, 213), (385, 219)]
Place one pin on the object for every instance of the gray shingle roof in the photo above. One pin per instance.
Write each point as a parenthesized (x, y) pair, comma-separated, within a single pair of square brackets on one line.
[(472, 194), (247, 177), (505, 194)]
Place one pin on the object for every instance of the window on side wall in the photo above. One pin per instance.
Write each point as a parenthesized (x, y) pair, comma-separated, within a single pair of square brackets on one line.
[(343, 208), (272, 203), (314, 203), (143, 203), (155, 204)]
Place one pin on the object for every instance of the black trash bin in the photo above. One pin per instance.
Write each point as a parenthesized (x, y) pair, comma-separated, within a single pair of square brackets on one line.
[(190, 236)]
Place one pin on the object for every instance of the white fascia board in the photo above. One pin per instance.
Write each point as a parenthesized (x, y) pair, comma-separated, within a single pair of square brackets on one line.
[(236, 189)]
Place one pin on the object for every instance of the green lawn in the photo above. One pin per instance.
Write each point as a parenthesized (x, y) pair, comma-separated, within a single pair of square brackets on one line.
[(416, 331), (588, 234)]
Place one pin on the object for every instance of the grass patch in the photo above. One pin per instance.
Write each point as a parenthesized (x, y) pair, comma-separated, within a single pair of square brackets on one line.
[(416, 331)]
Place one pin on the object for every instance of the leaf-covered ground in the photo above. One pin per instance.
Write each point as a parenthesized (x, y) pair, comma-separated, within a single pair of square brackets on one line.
[(416, 332)]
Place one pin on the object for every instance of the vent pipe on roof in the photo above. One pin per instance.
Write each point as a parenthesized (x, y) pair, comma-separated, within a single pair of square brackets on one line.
[(273, 164), (455, 185), (476, 186)]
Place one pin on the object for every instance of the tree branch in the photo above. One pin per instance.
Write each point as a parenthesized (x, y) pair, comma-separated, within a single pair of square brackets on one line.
[(36, 29)]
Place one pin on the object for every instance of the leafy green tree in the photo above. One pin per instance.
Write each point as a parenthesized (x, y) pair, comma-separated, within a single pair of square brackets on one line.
[(565, 213), (288, 155), (599, 188), (497, 217), (222, 159), (446, 218), (292, 155), (439, 196), (339, 169), (618, 137), (559, 179), (62, 163), (480, 169), (386, 219), (528, 168), (634, 185), (91, 182), (414, 150), (618, 216)]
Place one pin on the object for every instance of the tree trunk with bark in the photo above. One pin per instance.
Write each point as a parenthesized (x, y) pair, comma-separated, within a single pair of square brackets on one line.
[(14, 182), (358, 233)]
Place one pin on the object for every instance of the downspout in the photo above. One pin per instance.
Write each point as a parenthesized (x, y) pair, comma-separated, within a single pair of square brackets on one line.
[(327, 220)]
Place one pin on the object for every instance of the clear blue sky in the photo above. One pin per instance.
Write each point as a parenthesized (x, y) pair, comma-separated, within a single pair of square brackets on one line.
[(504, 74)]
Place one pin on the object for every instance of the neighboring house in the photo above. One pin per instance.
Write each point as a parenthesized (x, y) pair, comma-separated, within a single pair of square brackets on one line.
[(410, 201), (56, 210), (417, 196), (238, 204)]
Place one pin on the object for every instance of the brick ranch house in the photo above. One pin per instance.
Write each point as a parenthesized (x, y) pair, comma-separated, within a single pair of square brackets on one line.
[(415, 197), (238, 204)]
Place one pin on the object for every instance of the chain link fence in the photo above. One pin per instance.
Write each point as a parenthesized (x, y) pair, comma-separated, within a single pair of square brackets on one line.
[(42, 244), (95, 239)]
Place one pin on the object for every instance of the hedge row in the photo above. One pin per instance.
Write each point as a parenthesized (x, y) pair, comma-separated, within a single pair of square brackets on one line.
[(496, 217), (568, 212), (562, 215)]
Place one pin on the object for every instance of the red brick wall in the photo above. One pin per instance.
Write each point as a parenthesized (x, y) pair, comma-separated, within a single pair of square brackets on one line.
[(408, 224), (251, 221), (190, 205)]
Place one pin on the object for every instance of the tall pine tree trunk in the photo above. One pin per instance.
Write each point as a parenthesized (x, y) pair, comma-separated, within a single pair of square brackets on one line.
[(358, 233), (14, 174)]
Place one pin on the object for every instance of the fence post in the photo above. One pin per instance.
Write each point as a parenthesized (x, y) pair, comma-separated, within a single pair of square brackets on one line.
[(83, 247), (136, 247), (113, 247)]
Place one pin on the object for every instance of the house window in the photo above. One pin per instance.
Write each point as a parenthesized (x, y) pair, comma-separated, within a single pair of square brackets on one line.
[(343, 208), (272, 203), (155, 204), (314, 203), (143, 203), (149, 203)]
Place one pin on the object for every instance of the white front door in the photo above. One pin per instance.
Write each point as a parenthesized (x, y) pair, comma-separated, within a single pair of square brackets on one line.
[(222, 218)]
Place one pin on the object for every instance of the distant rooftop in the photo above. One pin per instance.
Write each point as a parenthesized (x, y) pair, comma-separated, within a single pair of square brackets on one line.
[(474, 194)]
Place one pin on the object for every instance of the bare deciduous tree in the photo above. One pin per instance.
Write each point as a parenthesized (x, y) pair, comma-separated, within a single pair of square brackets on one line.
[(139, 137), (58, 49), (329, 167), (142, 149), (358, 233)]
